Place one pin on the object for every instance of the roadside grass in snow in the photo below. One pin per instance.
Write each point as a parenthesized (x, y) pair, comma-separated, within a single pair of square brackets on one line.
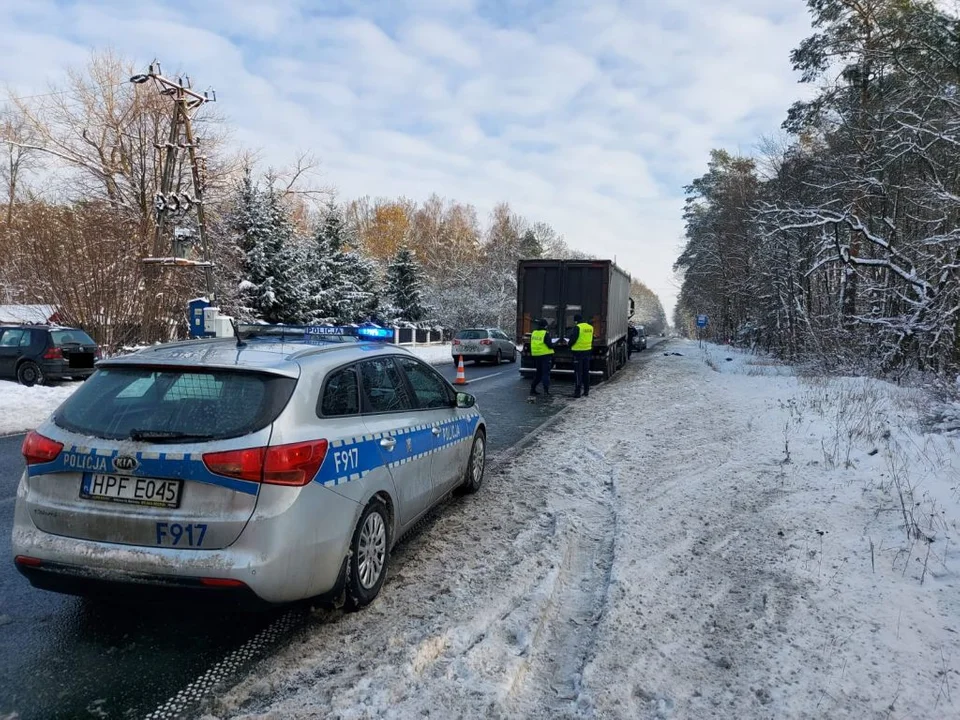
[(864, 423)]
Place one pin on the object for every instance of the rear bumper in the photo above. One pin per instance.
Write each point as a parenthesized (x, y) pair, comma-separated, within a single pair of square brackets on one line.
[(78, 580), (268, 562), (562, 364), (484, 354), (60, 370)]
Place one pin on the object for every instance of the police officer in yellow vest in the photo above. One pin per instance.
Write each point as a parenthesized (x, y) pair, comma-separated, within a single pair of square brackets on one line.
[(581, 345), (541, 348)]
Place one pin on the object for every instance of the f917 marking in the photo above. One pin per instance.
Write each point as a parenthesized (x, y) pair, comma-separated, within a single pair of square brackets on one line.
[(347, 461), (172, 534)]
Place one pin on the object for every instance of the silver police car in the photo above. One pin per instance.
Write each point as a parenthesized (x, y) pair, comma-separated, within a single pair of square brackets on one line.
[(278, 467)]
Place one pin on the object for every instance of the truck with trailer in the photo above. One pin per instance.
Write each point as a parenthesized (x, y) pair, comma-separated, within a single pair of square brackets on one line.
[(556, 291)]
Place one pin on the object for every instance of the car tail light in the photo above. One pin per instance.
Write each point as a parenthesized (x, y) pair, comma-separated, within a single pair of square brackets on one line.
[(53, 353), (486, 342), (39, 449), (294, 464), (241, 464), (27, 561)]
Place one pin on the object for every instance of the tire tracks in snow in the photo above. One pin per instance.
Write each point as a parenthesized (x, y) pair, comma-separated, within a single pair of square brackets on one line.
[(496, 596), (549, 684)]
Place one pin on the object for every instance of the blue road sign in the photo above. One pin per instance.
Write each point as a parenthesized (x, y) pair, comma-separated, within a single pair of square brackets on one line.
[(701, 321)]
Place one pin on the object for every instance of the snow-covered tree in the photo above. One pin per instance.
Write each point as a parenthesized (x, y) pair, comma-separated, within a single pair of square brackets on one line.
[(271, 268), (404, 287), (357, 287)]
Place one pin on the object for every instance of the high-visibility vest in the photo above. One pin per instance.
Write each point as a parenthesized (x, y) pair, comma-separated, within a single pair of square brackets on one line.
[(584, 339), (538, 346)]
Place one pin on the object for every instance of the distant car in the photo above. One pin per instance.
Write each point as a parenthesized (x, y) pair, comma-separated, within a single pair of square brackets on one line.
[(639, 340), (36, 354), (480, 344), (270, 467)]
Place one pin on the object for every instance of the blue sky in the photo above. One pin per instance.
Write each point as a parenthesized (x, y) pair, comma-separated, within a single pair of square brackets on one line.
[(588, 115)]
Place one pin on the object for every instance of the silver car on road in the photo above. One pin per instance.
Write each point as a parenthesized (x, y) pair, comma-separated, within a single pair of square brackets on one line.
[(480, 344), (277, 468)]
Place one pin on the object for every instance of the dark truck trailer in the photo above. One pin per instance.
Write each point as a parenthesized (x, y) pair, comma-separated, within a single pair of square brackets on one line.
[(556, 290)]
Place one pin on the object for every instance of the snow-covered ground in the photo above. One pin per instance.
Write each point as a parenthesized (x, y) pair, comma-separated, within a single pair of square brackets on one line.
[(433, 354), (708, 536), (23, 408)]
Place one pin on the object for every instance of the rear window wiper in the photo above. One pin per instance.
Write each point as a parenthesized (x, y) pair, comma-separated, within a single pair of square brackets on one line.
[(172, 435)]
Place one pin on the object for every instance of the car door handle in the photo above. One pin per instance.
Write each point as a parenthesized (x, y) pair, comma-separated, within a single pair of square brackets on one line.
[(388, 442), (436, 431)]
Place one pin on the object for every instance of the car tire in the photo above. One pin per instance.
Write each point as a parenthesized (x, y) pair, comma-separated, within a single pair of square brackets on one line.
[(369, 555), (477, 465), (499, 360), (30, 374), (513, 356)]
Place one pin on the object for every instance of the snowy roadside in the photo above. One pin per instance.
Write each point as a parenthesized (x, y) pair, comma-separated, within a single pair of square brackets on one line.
[(703, 538), (433, 354), (23, 408)]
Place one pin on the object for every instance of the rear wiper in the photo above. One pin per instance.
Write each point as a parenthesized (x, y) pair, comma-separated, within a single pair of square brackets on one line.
[(167, 435)]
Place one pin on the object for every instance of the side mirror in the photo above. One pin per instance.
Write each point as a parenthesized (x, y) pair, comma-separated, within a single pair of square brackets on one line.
[(465, 400)]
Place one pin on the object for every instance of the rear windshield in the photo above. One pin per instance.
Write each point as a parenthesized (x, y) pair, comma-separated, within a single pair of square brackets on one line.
[(70, 337), (471, 335), (174, 405)]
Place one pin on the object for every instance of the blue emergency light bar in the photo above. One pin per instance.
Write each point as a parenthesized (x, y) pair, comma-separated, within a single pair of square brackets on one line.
[(364, 332), (315, 333)]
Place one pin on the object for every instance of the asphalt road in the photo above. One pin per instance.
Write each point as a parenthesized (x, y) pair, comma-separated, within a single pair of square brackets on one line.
[(66, 657)]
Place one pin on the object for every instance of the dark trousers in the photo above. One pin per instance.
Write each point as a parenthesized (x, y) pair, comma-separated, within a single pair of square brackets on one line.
[(542, 365), (581, 372)]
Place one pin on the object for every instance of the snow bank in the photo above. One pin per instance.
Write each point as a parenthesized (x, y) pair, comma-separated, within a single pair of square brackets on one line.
[(433, 354), (700, 538), (23, 408)]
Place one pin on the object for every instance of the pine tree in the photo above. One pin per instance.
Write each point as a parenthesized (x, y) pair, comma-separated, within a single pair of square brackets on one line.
[(357, 288), (405, 285), (271, 267), (250, 225), (321, 275), (286, 264)]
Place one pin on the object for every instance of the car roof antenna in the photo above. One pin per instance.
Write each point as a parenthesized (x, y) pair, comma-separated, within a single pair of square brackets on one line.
[(236, 333)]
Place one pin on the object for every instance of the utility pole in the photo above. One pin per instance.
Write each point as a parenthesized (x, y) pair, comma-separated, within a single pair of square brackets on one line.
[(168, 203)]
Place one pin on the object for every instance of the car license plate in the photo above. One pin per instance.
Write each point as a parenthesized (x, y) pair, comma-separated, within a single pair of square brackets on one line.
[(131, 490), (471, 348)]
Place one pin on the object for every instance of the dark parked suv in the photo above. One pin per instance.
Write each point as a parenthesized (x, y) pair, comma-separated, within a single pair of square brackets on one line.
[(34, 354)]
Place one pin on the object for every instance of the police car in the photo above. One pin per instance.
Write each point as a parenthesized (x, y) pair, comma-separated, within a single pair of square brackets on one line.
[(282, 464)]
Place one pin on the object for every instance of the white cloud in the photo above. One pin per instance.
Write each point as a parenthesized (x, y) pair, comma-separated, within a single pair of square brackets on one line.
[(588, 115)]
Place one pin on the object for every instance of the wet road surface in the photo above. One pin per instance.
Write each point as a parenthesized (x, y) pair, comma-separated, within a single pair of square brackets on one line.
[(66, 657)]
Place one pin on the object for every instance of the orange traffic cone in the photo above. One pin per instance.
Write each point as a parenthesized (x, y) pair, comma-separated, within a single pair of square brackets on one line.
[(461, 375)]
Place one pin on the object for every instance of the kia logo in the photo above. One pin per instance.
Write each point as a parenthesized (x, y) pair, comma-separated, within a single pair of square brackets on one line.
[(125, 463)]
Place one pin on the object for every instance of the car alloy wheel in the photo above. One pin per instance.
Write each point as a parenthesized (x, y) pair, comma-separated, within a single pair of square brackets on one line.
[(473, 478), (372, 550), (369, 555)]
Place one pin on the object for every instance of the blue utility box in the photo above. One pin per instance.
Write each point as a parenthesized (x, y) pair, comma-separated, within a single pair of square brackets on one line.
[(195, 313)]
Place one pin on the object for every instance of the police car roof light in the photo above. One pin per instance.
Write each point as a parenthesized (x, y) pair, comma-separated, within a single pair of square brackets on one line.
[(313, 333)]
